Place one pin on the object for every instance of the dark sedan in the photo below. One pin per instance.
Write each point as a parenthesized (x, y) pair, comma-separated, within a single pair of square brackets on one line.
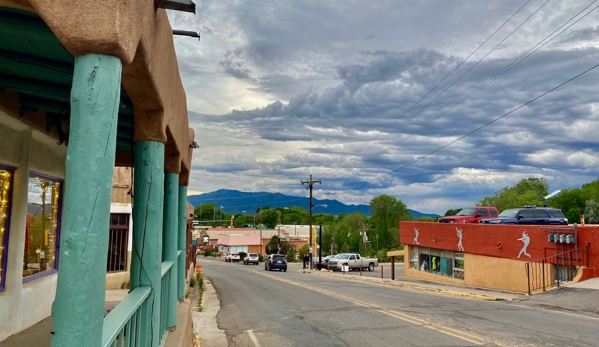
[(529, 215), (275, 261)]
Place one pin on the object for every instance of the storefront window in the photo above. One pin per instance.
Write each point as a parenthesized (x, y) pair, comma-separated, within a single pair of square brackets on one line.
[(436, 261), (5, 198), (41, 232)]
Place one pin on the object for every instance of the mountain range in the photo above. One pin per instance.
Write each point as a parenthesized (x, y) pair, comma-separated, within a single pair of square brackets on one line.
[(234, 202)]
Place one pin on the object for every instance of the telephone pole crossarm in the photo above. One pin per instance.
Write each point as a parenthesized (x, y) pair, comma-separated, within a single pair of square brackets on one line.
[(310, 184)]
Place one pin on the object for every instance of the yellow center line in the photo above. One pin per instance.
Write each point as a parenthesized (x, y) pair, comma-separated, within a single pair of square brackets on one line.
[(462, 335)]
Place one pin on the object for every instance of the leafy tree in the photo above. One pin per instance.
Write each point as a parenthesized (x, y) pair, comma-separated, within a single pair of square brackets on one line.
[(571, 202), (269, 218), (290, 255), (529, 191), (305, 249), (591, 211), (345, 248), (386, 212)]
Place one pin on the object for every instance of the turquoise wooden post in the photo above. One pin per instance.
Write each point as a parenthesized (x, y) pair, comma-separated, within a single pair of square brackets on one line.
[(170, 238), (182, 240), (146, 257), (78, 310)]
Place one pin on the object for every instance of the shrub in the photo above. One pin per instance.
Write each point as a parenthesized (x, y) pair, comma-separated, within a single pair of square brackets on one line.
[(192, 282), (290, 255), (242, 255), (207, 252)]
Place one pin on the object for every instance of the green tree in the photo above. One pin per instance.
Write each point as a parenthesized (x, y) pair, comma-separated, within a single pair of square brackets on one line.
[(386, 212), (290, 256), (345, 248), (269, 218), (305, 249), (591, 212), (528, 191)]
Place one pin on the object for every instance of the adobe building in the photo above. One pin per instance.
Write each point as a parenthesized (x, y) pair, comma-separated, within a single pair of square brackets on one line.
[(84, 88), (521, 258)]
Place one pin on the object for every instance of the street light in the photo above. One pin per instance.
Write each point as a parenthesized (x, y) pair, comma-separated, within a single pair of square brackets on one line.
[(221, 214), (311, 235)]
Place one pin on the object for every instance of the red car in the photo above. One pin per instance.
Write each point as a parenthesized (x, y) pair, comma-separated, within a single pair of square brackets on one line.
[(471, 215)]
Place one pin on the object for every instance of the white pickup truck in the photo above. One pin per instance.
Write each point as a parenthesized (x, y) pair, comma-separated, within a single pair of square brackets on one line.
[(353, 261)]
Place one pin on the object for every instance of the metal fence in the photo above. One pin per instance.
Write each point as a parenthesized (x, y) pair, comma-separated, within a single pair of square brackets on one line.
[(559, 268), (117, 242)]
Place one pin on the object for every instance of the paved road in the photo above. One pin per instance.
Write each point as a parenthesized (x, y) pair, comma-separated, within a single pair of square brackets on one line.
[(260, 308)]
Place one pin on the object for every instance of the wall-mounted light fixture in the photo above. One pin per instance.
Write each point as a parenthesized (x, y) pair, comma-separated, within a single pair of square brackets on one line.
[(176, 5), (194, 144), (186, 33)]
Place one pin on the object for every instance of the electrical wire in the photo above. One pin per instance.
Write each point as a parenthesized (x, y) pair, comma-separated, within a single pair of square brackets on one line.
[(430, 91), (481, 127), (510, 66)]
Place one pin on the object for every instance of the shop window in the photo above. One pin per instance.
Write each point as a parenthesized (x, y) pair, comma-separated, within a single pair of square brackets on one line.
[(42, 228), (117, 243), (6, 175), (436, 261), (458, 266), (414, 257)]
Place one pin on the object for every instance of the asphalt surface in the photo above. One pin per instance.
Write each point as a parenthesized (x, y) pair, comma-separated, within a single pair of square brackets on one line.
[(260, 308)]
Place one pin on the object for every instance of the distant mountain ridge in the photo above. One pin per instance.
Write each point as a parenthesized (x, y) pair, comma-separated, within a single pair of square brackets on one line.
[(234, 201)]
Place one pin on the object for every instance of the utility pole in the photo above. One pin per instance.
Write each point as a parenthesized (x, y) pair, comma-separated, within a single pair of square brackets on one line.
[(310, 183)]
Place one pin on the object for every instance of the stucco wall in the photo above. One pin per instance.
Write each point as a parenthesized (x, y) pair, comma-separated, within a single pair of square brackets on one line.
[(494, 255), (24, 304), (121, 184)]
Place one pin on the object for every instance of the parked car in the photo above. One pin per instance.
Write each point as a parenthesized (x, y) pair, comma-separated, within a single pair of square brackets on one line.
[(251, 258), (471, 215), (325, 261), (529, 215), (353, 261), (232, 257), (275, 261)]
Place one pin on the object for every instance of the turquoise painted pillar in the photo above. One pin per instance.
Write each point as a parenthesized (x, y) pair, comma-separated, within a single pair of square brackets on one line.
[(146, 255), (78, 310), (170, 238), (182, 240)]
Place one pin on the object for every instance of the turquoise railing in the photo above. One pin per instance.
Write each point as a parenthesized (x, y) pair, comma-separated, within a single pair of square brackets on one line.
[(165, 294), (122, 325)]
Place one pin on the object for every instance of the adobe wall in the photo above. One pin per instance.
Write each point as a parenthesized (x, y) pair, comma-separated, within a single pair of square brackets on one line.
[(494, 257)]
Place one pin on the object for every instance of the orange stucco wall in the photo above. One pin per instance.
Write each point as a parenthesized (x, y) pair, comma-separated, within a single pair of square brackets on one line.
[(492, 256)]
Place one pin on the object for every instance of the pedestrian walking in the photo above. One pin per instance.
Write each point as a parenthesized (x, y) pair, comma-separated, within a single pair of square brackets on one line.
[(306, 260)]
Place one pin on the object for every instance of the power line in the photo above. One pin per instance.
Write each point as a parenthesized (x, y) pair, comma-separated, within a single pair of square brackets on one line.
[(457, 80), (430, 91), (510, 66), (481, 127)]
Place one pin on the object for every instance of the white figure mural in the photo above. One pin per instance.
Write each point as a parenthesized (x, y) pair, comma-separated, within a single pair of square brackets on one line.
[(460, 234), (417, 233), (526, 240)]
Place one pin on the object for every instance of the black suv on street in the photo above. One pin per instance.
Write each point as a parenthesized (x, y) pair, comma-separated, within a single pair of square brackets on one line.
[(529, 215), (275, 261)]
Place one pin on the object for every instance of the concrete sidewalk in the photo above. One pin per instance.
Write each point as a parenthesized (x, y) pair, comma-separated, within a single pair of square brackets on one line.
[(39, 334), (424, 285), (204, 321)]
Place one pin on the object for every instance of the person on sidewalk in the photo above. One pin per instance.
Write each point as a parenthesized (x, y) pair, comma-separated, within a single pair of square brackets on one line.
[(306, 260)]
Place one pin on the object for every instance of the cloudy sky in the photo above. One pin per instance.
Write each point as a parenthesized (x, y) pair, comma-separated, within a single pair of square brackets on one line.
[(385, 97)]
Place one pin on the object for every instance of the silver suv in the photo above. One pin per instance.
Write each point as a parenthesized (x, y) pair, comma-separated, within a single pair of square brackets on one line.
[(251, 258)]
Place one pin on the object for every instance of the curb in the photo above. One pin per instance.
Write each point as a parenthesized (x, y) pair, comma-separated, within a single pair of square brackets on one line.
[(405, 286)]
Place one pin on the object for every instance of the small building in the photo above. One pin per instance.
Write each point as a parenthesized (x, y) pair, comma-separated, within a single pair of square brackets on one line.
[(232, 243), (521, 258)]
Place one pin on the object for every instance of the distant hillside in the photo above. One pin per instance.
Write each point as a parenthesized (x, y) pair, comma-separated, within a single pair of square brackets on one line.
[(234, 201)]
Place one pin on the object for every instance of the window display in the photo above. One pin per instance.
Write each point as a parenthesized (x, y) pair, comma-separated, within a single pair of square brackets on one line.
[(5, 198), (439, 262), (41, 231)]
